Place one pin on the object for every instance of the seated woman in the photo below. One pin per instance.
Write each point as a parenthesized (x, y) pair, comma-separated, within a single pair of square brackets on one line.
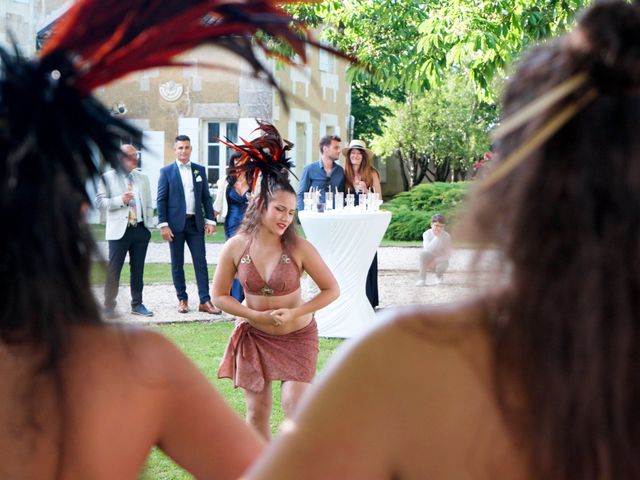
[(276, 337), (81, 399), (538, 378)]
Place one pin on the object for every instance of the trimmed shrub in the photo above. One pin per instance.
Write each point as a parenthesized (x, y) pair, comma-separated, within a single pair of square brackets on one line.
[(412, 210)]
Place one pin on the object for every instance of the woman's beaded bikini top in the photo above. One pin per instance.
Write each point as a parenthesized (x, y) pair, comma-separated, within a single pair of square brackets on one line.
[(284, 279)]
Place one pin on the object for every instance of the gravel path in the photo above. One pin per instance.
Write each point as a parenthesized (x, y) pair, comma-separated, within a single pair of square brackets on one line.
[(396, 278)]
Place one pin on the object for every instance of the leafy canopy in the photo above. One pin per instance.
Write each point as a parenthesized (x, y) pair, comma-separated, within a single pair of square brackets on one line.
[(438, 134), (411, 44)]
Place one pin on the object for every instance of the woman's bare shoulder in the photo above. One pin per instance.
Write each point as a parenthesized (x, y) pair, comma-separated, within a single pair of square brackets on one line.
[(400, 399), (236, 242), (302, 247), (430, 327), (136, 351), (235, 247)]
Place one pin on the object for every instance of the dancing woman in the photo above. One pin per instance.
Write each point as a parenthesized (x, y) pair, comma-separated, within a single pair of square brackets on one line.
[(538, 379), (275, 337)]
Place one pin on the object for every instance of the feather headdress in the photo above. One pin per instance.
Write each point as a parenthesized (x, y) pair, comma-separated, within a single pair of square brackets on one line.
[(47, 112), (263, 158)]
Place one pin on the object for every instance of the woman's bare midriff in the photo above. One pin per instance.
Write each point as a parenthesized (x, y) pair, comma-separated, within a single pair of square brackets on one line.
[(264, 303)]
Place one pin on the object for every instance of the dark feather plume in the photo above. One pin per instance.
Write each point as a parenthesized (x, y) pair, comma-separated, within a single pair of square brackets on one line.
[(266, 155), (110, 38)]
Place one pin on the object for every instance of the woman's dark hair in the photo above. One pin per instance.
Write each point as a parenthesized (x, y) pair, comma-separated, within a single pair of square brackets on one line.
[(566, 327), (55, 137), (52, 142), (232, 175)]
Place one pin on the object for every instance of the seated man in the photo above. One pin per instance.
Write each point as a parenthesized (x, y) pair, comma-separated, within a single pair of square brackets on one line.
[(436, 250)]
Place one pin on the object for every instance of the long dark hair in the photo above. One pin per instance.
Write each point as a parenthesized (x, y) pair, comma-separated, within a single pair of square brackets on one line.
[(566, 328), (55, 137)]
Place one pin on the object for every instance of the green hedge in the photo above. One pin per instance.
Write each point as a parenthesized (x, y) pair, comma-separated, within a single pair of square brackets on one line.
[(412, 210)]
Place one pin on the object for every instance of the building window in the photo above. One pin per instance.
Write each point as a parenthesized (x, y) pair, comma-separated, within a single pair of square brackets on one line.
[(218, 153), (327, 61)]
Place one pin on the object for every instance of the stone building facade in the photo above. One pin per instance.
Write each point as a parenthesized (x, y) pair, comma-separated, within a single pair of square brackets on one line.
[(208, 103)]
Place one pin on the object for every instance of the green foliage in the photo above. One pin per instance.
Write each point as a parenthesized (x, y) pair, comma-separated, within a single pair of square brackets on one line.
[(438, 134), (412, 210), (368, 109), (412, 44)]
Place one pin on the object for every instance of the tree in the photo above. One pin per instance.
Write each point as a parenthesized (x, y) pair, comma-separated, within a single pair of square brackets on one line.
[(438, 135), (369, 111), (412, 44)]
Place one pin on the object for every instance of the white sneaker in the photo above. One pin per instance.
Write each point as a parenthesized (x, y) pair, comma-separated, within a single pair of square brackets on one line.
[(439, 280), (420, 283)]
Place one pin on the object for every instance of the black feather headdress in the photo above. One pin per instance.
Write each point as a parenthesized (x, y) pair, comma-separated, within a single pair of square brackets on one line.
[(264, 158), (46, 109)]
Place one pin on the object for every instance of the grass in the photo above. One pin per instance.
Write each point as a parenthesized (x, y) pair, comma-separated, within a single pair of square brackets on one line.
[(400, 243), (97, 229), (154, 273), (218, 237), (204, 343)]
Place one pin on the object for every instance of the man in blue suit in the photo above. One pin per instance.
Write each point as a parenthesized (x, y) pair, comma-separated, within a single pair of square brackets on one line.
[(185, 214)]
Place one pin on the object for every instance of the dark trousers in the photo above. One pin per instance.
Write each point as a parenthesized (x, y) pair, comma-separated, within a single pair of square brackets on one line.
[(195, 241), (134, 241), (371, 285)]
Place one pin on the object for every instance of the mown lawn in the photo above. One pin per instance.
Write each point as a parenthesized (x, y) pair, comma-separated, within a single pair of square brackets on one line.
[(218, 237), (204, 343)]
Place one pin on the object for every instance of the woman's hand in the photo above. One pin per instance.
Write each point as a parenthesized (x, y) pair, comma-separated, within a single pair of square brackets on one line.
[(282, 316), (260, 318)]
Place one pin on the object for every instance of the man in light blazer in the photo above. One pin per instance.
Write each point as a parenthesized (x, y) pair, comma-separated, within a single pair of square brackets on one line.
[(185, 214), (125, 195)]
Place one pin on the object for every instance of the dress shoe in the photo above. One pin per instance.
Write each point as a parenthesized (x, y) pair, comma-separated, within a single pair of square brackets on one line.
[(208, 307), (183, 306), (142, 311)]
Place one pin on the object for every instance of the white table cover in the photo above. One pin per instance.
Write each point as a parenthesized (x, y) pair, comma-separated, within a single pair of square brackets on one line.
[(347, 242)]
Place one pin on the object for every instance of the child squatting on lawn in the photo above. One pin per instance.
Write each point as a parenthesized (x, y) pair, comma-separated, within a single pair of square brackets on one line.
[(436, 244)]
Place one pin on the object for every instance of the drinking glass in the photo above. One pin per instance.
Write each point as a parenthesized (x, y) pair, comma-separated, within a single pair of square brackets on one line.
[(339, 199), (351, 200), (328, 200), (308, 200), (362, 202), (374, 202)]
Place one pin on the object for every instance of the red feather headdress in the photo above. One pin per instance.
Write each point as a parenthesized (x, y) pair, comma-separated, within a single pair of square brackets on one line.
[(108, 39), (47, 112), (266, 155)]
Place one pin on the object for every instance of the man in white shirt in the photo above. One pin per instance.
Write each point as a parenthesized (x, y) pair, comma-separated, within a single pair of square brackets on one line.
[(125, 195), (436, 250), (185, 214)]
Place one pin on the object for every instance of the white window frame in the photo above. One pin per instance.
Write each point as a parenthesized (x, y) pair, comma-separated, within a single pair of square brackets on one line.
[(223, 150)]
